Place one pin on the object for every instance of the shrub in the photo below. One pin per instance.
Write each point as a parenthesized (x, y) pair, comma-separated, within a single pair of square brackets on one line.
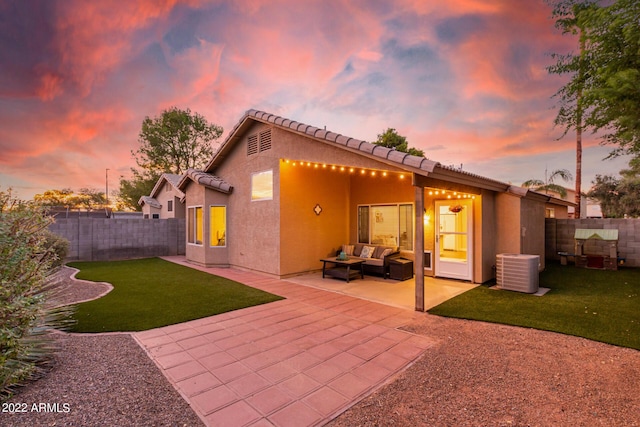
[(59, 245), (27, 259)]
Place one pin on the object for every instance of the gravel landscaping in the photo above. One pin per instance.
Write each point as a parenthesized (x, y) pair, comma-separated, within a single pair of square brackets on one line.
[(478, 374)]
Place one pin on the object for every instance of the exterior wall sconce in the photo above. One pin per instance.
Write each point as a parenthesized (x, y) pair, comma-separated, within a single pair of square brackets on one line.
[(317, 209)]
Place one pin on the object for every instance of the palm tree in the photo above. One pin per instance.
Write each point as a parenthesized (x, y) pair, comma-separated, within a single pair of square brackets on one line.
[(548, 184)]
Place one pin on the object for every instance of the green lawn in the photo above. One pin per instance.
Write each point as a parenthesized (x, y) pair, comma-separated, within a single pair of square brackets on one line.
[(595, 304), (149, 293)]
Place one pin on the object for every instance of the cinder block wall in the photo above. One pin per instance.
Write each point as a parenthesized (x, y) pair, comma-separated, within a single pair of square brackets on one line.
[(97, 239), (559, 235)]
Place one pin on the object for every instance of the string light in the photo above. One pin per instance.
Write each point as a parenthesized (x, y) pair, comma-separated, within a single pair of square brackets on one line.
[(441, 193), (363, 171)]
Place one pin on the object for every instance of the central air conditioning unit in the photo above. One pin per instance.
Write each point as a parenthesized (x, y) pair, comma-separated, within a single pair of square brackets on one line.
[(518, 272)]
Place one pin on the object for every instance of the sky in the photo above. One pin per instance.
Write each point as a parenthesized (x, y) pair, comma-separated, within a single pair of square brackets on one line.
[(463, 80)]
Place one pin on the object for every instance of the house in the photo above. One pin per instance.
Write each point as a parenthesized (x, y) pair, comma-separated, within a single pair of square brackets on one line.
[(166, 199), (589, 208), (279, 195)]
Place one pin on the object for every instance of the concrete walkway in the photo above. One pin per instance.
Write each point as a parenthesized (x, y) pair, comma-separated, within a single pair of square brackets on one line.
[(295, 362)]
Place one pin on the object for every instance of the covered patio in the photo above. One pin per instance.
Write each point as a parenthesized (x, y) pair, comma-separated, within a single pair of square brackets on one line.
[(395, 293)]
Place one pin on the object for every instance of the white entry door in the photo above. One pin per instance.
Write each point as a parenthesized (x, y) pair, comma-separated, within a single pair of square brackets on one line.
[(454, 239)]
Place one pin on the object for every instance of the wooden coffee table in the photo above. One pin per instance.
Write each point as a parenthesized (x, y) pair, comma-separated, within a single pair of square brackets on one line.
[(342, 268)]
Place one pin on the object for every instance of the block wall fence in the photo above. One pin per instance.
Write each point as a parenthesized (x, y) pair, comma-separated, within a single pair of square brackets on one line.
[(559, 237), (98, 239)]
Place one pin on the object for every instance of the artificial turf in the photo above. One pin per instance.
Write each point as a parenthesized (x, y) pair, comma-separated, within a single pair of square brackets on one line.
[(595, 304), (149, 293)]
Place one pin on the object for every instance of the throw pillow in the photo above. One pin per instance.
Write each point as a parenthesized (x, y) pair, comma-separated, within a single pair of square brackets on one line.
[(347, 249), (367, 252), (385, 253)]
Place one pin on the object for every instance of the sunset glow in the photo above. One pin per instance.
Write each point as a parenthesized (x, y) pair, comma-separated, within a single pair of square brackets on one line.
[(463, 80)]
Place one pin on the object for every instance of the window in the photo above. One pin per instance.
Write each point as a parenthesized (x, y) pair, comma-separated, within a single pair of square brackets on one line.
[(194, 225), (386, 225), (170, 206), (262, 185), (156, 216), (218, 229)]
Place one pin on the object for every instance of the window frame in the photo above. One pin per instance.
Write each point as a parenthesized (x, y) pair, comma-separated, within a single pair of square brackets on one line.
[(192, 218), (371, 220)]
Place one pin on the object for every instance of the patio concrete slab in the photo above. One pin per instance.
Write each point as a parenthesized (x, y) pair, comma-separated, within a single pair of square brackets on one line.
[(297, 362)]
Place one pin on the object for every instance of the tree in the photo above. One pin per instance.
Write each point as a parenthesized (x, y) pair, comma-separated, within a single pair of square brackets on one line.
[(132, 189), (27, 261), (603, 93), (175, 141), (571, 98), (548, 184), (171, 143), (613, 36), (86, 198), (391, 139), (619, 197)]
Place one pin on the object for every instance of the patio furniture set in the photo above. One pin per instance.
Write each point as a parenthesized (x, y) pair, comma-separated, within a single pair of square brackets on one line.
[(353, 261)]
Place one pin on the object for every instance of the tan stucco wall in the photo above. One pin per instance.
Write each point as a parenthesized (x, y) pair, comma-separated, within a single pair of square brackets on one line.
[(532, 217), (485, 237), (520, 226), (507, 208), (306, 237), (253, 227)]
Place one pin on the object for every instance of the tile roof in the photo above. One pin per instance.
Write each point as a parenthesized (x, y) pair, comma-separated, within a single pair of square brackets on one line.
[(172, 179), (206, 179), (148, 200), (385, 153), (408, 162)]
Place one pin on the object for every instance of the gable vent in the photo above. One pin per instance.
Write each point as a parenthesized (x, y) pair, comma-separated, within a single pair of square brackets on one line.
[(252, 145), (265, 140)]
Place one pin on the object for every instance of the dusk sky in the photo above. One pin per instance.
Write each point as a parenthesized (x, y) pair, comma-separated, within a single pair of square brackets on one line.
[(463, 80)]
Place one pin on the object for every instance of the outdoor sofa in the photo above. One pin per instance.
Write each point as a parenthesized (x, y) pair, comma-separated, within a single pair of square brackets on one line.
[(376, 256)]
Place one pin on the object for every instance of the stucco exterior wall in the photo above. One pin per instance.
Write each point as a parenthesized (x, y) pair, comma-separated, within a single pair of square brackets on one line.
[(507, 214), (532, 228), (305, 237), (485, 237)]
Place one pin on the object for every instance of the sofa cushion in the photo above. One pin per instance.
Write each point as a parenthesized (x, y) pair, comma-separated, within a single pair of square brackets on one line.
[(383, 251), (374, 261), (367, 251), (357, 249), (347, 249)]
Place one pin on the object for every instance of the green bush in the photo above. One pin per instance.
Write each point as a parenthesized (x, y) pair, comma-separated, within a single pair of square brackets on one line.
[(27, 259), (59, 245)]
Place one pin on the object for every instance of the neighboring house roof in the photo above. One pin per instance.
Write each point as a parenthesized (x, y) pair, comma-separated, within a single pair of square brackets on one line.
[(148, 200), (173, 179), (206, 179)]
